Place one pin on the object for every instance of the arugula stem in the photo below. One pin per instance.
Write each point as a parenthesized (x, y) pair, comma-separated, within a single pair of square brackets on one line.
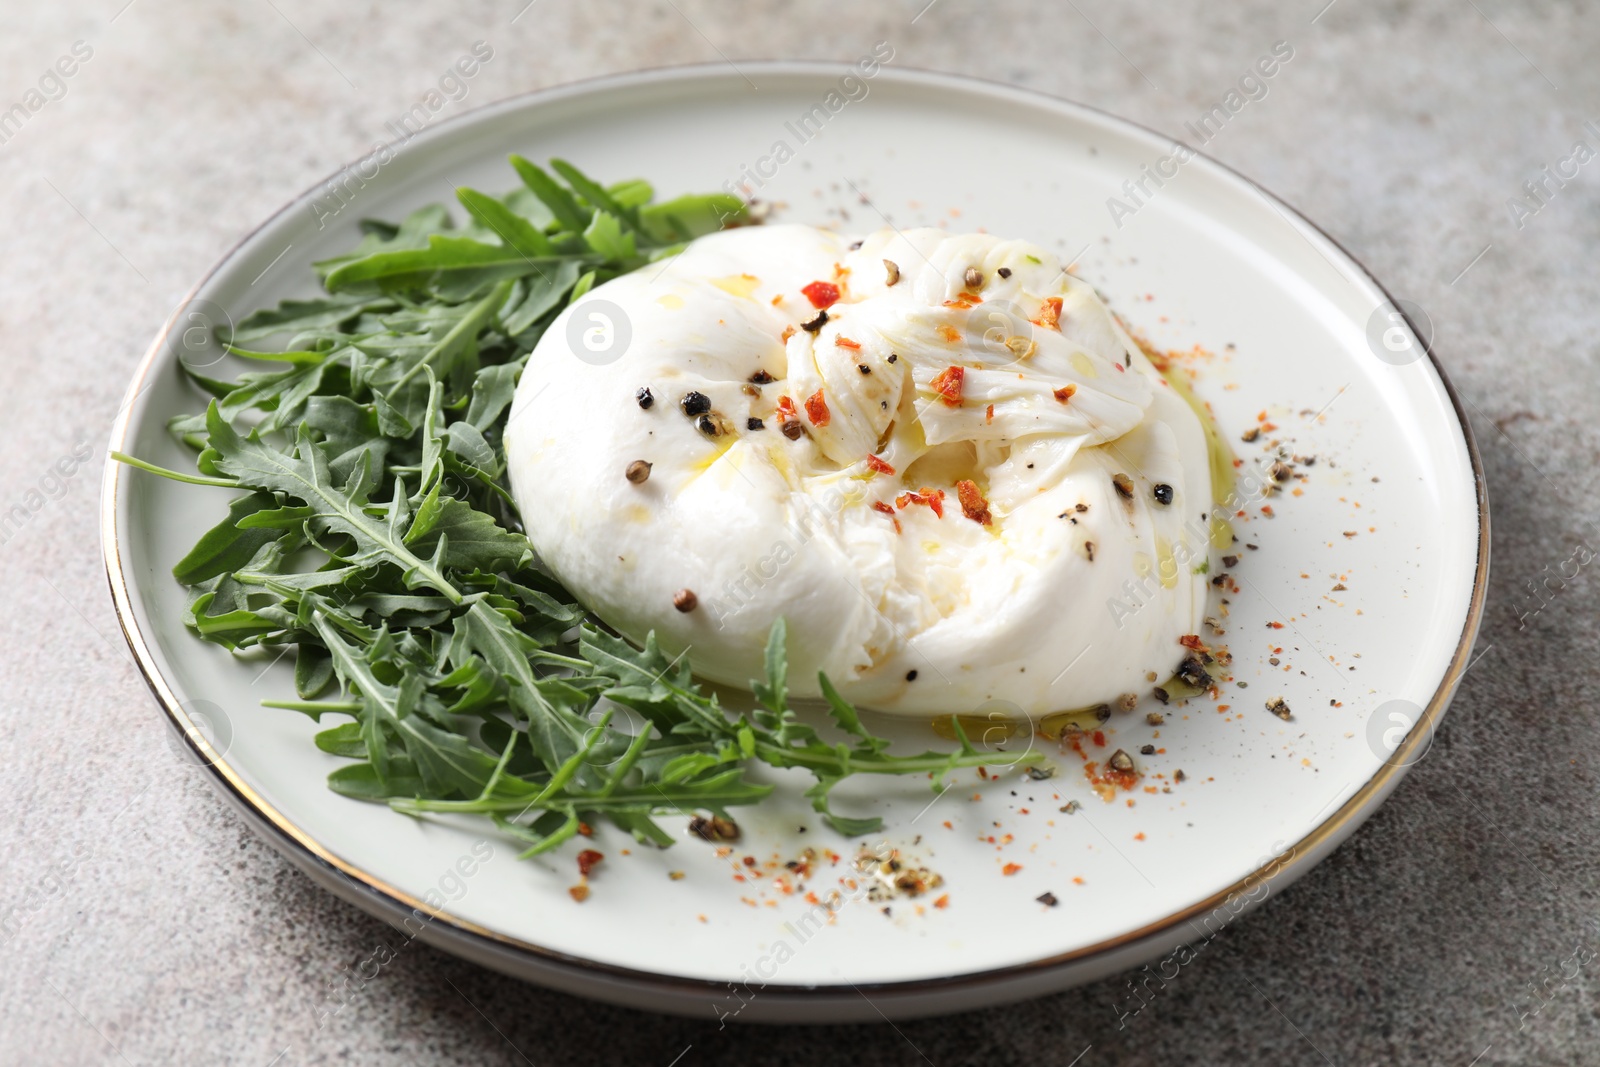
[(560, 836), (176, 476), (343, 707), (829, 761)]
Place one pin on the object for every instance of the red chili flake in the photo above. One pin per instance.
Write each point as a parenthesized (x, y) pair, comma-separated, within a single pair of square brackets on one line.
[(587, 860), (1049, 314), (1191, 641), (943, 902), (1066, 393), (845, 342), (788, 332), (1266, 509), (950, 333), (821, 294), (878, 465), (585, 829), (1100, 739), (580, 893), (934, 498), (878, 505), (817, 409), (947, 383), (785, 409), (988, 414), (973, 505), (1011, 868)]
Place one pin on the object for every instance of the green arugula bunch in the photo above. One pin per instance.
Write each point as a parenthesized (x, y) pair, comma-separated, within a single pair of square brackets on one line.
[(376, 537)]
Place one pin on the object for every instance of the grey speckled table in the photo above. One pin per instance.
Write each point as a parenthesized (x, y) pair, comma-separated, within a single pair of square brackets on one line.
[(146, 924)]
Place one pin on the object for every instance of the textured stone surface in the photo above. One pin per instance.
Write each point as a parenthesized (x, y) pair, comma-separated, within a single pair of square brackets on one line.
[(1401, 127)]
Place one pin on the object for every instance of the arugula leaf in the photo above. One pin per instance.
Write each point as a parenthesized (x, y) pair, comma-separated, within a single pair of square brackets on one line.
[(226, 547), (303, 475), (514, 230), (560, 202), (689, 217), (305, 316), (407, 268)]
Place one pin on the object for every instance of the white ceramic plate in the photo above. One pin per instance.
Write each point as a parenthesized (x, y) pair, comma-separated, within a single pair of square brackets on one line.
[(1209, 259)]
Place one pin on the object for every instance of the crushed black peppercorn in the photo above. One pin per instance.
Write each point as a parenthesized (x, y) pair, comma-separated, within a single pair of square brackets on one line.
[(645, 398), (1004, 272), (1047, 899), (911, 675), (1192, 672), (815, 324), (760, 377), (753, 423), (863, 368), (1163, 493), (695, 403), (716, 828), (1147, 750), (708, 426)]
